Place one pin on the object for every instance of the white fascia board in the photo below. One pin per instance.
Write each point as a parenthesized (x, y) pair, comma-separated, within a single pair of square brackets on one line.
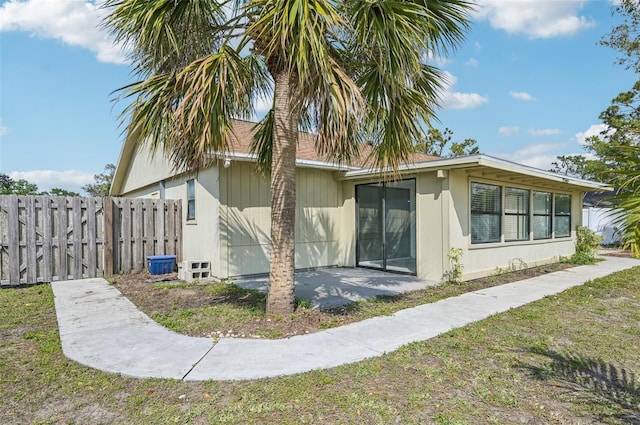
[(482, 161), (241, 156)]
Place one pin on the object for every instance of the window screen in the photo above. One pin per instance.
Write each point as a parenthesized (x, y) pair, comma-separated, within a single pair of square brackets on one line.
[(486, 212), (516, 214), (562, 216), (541, 215)]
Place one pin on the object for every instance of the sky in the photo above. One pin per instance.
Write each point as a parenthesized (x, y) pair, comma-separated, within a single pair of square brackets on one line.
[(528, 84)]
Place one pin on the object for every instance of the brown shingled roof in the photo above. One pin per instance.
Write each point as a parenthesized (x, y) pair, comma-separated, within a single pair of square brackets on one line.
[(244, 131)]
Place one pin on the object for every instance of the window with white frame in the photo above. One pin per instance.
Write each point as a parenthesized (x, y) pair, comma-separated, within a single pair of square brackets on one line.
[(486, 213), (191, 200), (516, 214), (562, 216)]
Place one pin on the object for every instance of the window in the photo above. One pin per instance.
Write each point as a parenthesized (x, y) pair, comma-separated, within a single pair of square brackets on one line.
[(191, 200), (541, 215), (562, 216), (516, 214), (486, 210)]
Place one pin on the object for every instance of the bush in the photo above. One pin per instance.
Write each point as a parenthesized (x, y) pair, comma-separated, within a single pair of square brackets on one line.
[(587, 244)]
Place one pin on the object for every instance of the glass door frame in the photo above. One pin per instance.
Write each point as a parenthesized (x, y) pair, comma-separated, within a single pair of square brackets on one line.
[(383, 209)]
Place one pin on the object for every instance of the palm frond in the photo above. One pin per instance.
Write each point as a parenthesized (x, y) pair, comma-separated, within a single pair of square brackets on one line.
[(166, 34), (262, 143), (189, 113)]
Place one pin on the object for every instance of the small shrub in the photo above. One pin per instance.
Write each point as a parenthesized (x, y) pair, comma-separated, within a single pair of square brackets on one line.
[(454, 273), (587, 244), (304, 303)]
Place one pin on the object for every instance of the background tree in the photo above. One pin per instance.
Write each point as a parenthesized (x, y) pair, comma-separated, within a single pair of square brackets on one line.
[(8, 186), (102, 184), (17, 187), (436, 142), (349, 70), (615, 153), (62, 192), (625, 38)]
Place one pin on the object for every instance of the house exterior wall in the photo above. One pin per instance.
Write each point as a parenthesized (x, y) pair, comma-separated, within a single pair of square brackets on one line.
[(145, 169), (245, 219), (484, 259), (443, 222)]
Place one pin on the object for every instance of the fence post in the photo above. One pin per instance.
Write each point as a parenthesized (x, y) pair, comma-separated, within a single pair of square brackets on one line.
[(109, 252)]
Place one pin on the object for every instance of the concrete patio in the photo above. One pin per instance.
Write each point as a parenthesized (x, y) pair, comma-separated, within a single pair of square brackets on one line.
[(336, 286)]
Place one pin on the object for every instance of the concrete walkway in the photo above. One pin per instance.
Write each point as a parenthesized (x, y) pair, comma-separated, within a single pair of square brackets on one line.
[(100, 328)]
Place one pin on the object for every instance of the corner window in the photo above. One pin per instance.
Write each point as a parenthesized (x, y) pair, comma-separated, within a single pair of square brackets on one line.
[(516, 214), (562, 216), (541, 215), (486, 211), (191, 200)]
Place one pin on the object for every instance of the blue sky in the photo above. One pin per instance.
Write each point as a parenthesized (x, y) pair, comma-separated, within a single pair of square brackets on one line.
[(528, 84)]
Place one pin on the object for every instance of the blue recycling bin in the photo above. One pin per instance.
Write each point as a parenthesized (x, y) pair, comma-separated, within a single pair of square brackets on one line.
[(161, 264)]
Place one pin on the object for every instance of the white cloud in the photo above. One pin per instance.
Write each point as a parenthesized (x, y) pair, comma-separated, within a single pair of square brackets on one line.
[(594, 130), (47, 179), (450, 99), (544, 131), (537, 155), (534, 18), (520, 95), (508, 131), (439, 61), (4, 130), (263, 104), (74, 22), (472, 62)]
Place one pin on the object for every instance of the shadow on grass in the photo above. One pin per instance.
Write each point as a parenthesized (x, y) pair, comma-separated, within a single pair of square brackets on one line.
[(600, 383)]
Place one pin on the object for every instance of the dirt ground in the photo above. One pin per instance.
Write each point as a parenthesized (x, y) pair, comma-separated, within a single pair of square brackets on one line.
[(166, 300)]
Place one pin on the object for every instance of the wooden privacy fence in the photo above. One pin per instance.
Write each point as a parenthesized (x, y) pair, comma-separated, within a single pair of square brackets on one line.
[(44, 238)]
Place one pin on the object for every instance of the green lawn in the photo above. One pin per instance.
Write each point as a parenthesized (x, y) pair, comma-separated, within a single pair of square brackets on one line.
[(567, 359)]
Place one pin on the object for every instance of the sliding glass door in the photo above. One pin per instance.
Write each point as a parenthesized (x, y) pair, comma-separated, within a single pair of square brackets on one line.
[(387, 226)]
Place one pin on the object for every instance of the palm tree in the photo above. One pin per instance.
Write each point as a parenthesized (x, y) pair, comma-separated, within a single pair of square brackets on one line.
[(352, 71)]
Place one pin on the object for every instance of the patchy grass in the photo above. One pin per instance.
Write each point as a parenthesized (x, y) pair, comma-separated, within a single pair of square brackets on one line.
[(222, 309), (566, 359)]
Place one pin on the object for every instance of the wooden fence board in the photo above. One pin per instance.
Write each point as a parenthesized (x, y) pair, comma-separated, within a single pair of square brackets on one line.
[(62, 239), (14, 240), (44, 239), (91, 238), (47, 242)]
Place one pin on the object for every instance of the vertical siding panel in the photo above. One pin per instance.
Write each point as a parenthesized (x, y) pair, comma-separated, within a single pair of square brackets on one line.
[(178, 227)]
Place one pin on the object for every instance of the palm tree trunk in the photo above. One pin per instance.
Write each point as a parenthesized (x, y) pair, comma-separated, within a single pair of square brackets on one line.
[(281, 297)]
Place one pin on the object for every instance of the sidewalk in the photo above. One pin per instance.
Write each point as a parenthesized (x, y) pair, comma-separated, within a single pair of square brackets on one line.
[(101, 328)]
